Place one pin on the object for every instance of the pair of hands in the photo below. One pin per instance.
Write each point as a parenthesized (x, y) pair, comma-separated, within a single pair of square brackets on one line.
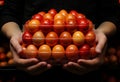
[(34, 67)]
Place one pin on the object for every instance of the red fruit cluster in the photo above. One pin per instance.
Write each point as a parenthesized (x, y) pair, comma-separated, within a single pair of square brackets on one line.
[(1, 2), (58, 35)]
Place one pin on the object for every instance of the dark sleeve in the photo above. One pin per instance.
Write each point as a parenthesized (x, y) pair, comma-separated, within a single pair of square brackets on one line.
[(12, 12), (108, 11)]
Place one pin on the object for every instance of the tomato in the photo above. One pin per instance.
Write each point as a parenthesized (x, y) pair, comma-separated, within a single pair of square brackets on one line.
[(44, 52), (42, 13), (33, 25), (78, 38), (58, 52), (51, 38), (83, 25), (72, 52), (48, 16), (93, 52), (46, 26), (3, 57), (27, 37), (91, 25), (59, 16), (9, 54), (70, 17), (53, 12), (38, 38), (2, 2), (80, 16), (38, 17), (59, 26), (31, 51), (90, 38), (84, 51), (74, 13), (71, 26), (63, 12), (65, 38)]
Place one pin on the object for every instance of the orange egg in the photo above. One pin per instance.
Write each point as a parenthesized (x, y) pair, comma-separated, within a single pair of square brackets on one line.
[(44, 52)]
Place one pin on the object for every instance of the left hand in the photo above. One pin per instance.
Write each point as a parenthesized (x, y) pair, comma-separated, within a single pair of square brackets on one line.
[(84, 66)]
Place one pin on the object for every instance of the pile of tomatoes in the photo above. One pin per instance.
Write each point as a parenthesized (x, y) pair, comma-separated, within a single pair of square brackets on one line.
[(58, 36)]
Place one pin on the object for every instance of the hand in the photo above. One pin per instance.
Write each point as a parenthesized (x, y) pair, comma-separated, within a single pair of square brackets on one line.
[(32, 65), (84, 66)]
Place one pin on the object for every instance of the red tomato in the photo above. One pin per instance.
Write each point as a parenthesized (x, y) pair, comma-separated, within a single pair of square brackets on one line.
[(90, 38), (71, 26), (91, 25), (33, 25), (38, 17), (65, 38), (44, 52), (72, 52), (83, 25), (3, 57), (80, 16), (51, 38), (46, 26), (31, 51), (59, 26), (38, 38), (2, 3), (93, 52), (74, 12), (78, 38), (58, 52), (27, 37), (53, 12), (84, 51)]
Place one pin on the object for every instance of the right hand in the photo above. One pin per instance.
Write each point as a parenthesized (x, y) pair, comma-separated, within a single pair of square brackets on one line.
[(33, 66)]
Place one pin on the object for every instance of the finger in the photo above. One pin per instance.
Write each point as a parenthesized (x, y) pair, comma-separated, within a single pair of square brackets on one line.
[(72, 65), (90, 63), (16, 45), (101, 44)]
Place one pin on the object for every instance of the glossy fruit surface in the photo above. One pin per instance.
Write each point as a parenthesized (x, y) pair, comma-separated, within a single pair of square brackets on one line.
[(38, 38), (72, 52), (33, 25), (51, 38), (27, 37), (58, 52), (78, 38), (65, 38), (84, 51), (44, 52), (31, 51), (90, 38)]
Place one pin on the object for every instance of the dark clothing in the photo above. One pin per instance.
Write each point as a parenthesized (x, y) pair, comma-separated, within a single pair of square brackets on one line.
[(95, 10)]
